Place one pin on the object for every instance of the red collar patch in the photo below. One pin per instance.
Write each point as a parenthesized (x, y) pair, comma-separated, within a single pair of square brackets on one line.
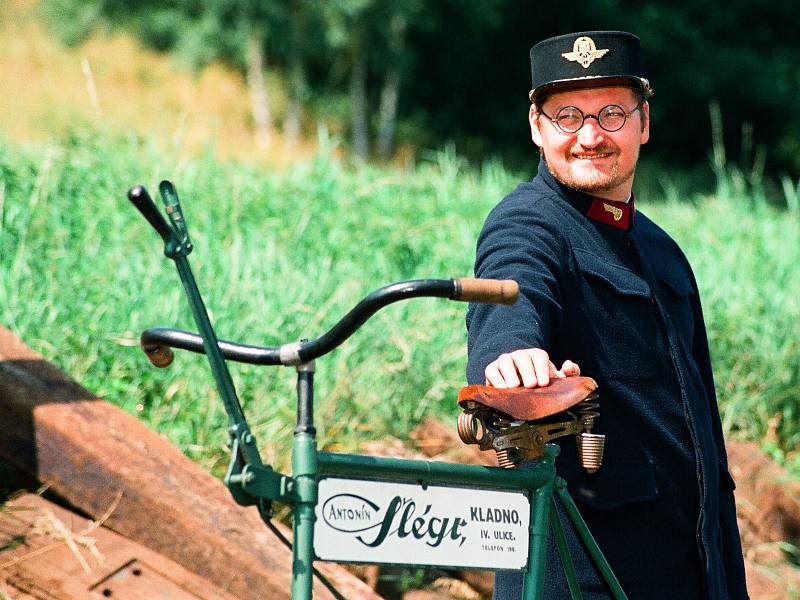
[(610, 212)]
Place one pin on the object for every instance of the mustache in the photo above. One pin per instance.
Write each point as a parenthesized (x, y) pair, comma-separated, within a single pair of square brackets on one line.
[(593, 152)]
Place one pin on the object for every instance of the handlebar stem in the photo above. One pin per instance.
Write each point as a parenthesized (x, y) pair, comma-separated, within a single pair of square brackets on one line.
[(305, 399)]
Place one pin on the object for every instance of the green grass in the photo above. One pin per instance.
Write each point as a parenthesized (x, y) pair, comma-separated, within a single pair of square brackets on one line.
[(282, 255)]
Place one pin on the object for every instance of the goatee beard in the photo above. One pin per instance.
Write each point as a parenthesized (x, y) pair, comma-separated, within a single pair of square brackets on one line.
[(596, 183)]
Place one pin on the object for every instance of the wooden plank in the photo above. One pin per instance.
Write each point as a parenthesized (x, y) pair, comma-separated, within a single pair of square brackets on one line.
[(90, 452), (14, 594), (68, 555)]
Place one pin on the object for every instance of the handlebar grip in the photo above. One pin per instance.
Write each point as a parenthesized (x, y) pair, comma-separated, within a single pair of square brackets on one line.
[(159, 356), (487, 291), (144, 203)]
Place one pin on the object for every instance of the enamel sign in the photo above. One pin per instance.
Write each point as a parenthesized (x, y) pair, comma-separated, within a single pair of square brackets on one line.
[(404, 523)]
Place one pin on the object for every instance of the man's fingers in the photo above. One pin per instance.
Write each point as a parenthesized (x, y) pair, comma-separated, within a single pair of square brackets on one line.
[(555, 373), (524, 364), (569, 368), (508, 370), (530, 367), (541, 364), (502, 373), (493, 375), (514, 369)]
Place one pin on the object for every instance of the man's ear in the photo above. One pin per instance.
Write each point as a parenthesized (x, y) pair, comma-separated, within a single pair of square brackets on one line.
[(645, 113), (533, 120)]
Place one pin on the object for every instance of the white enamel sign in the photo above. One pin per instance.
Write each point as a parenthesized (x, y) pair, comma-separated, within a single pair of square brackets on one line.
[(404, 523)]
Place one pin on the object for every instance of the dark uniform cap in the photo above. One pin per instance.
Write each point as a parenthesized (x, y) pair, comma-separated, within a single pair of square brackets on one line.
[(587, 59)]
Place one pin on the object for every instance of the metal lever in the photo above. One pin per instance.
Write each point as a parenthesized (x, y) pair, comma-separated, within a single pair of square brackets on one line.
[(182, 245)]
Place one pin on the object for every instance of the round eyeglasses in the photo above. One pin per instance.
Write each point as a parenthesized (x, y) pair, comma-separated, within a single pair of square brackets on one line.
[(610, 118)]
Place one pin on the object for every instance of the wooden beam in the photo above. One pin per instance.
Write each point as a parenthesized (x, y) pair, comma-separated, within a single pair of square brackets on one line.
[(55, 553), (90, 452)]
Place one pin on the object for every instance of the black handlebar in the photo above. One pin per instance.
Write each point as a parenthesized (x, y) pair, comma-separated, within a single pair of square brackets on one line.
[(144, 203), (156, 342)]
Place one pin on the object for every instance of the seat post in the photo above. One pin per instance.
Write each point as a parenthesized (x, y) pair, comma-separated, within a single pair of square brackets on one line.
[(542, 496)]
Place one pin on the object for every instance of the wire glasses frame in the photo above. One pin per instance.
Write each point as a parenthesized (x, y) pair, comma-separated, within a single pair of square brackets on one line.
[(610, 118)]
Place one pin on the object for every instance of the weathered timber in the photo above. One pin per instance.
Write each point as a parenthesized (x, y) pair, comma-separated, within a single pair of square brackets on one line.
[(90, 452), (60, 554)]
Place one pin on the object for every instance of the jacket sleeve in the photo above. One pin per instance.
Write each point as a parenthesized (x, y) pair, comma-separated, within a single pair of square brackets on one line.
[(516, 243), (729, 528)]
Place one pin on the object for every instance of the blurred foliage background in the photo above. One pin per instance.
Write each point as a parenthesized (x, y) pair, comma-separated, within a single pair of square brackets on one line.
[(336, 146), (325, 148), (411, 74)]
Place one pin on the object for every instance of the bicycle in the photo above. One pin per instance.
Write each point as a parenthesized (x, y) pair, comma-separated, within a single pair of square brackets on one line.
[(354, 508)]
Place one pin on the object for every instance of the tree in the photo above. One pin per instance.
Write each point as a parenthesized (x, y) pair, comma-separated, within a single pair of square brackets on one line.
[(298, 45), (393, 23), (346, 33)]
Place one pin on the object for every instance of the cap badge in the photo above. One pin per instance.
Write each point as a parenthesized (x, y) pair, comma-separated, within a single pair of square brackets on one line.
[(614, 210), (584, 52)]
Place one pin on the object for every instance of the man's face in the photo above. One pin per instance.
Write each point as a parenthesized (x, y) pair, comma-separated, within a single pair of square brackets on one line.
[(592, 160)]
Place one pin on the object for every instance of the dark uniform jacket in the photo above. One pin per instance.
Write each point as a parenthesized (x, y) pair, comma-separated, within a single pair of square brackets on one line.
[(624, 305)]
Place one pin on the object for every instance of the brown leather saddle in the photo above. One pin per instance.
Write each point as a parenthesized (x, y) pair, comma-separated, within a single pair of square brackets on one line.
[(530, 404), (517, 422)]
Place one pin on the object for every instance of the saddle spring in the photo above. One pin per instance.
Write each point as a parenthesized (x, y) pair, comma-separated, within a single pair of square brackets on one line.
[(590, 445), (504, 460)]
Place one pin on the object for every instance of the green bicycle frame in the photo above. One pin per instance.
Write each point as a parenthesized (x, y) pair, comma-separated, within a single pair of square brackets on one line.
[(253, 483)]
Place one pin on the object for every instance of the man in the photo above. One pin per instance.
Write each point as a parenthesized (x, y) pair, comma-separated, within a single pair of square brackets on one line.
[(606, 293)]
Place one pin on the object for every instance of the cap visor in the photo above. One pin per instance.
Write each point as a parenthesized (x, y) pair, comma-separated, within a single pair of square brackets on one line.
[(566, 85)]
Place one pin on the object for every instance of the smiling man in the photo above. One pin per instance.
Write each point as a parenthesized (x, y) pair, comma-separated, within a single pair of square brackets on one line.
[(606, 293)]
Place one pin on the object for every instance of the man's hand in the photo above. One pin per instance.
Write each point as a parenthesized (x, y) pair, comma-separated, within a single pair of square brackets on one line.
[(530, 368)]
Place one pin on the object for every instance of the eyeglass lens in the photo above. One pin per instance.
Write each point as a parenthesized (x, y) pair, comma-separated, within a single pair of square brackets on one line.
[(611, 118)]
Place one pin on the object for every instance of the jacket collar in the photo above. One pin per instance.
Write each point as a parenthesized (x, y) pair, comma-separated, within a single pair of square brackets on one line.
[(609, 212)]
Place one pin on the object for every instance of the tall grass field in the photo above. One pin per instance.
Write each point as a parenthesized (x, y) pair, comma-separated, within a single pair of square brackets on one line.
[(282, 255)]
